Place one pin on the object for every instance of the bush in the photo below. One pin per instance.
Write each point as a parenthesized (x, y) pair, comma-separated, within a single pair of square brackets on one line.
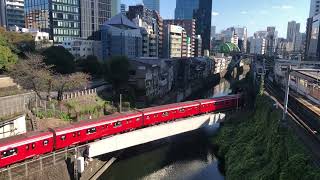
[(256, 146)]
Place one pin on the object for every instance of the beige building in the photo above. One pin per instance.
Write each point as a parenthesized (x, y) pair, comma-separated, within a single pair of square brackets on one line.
[(174, 40)]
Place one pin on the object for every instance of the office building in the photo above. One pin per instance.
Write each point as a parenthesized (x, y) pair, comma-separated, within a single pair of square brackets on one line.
[(190, 27), (203, 17), (93, 15), (13, 12), (272, 36), (185, 9), (82, 48), (314, 8), (61, 19), (173, 41), (151, 24), (312, 50), (159, 20), (242, 34), (115, 7), (3, 13), (120, 37), (213, 31), (293, 30), (123, 8), (258, 43), (201, 11), (152, 5), (198, 46)]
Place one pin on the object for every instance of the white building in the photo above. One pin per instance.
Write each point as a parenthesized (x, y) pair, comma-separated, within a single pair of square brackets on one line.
[(41, 39), (314, 8), (82, 48)]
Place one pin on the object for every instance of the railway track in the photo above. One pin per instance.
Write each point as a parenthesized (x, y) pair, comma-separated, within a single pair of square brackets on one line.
[(305, 123)]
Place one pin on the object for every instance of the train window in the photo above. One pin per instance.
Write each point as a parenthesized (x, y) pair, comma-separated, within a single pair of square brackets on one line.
[(73, 134), (165, 114), (182, 110), (148, 117), (45, 142), (79, 133), (156, 115), (218, 103), (10, 152), (27, 147), (63, 137), (117, 124), (33, 145), (91, 130), (138, 119)]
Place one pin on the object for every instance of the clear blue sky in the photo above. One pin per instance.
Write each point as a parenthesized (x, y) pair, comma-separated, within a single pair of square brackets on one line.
[(254, 14)]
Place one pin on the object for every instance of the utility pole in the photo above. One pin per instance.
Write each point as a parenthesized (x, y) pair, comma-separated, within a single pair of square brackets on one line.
[(286, 98), (120, 104)]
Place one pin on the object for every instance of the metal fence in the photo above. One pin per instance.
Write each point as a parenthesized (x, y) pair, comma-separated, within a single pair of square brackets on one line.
[(31, 167)]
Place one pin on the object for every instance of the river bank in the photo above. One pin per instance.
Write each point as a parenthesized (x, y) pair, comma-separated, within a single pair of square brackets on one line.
[(256, 146)]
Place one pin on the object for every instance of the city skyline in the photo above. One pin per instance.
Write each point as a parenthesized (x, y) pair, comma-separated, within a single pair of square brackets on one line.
[(252, 14)]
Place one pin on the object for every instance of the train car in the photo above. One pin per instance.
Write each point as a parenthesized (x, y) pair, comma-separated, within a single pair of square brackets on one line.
[(220, 103), (95, 129), (159, 114), (18, 148), (227, 102)]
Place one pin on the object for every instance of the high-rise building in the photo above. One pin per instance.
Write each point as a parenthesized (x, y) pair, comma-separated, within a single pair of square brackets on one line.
[(314, 8), (152, 4), (258, 43), (152, 23), (185, 9), (61, 19), (123, 8), (115, 7), (3, 13), (242, 34), (312, 49), (120, 37), (201, 11), (190, 27), (213, 31), (93, 14), (203, 22), (271, 42), (293, 29), (198, 46), (14, 12)]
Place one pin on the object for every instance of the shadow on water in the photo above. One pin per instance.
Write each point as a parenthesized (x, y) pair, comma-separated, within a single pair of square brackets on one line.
[(184, 156)]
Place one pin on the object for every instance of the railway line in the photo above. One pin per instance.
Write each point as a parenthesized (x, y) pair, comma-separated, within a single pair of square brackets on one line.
[(305, 123)]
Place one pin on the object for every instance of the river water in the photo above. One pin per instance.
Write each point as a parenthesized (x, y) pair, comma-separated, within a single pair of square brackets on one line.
[(185, 157)]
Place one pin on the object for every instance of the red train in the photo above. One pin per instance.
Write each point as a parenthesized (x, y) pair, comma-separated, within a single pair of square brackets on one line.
[(22, 147)]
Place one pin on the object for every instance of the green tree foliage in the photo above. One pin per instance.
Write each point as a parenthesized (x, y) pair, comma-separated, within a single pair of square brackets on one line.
[(90, 65), (7, 58), (117, 71), (256, 146), (60, 58), (17, 42)]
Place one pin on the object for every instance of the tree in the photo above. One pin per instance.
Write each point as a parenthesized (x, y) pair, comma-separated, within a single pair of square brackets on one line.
[(33, 73), (71, 82), (90, 65), (17, 42), (7, 58), (117, 71), (61, 58)]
